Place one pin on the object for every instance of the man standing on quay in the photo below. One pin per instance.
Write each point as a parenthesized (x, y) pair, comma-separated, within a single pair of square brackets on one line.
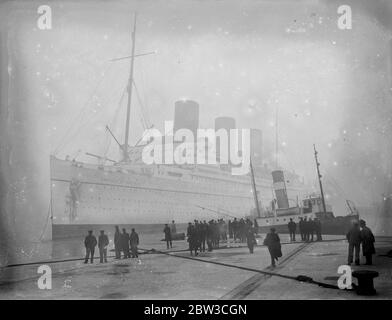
[(90, 243), (103, 242)]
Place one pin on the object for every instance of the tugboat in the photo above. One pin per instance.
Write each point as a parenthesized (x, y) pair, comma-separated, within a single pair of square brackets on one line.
[(313, 206)]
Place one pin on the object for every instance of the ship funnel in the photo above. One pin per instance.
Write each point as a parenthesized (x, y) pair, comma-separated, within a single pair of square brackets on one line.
[(256, 146), (186, 116), (225, 123), (280, 189)]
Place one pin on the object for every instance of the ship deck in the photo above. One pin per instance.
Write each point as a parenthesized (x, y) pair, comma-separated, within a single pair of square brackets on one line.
[(227, 273)]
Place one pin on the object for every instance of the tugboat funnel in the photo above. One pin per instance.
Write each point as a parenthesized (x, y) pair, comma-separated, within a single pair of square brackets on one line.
[(280, 189)]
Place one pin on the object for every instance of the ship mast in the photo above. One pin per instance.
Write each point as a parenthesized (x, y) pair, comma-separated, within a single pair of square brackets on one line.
[(276, 139), (130, 86), (254, 189), (319, 178)]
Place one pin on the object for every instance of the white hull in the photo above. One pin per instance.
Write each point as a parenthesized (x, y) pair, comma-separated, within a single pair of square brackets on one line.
[(139, 194)]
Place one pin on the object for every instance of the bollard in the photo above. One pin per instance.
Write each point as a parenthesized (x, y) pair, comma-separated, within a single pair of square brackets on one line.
[(365, 282)]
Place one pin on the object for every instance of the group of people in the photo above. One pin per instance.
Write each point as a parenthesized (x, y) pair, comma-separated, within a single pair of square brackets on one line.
[(308, 228), (238, 229), (199, 234), (358, 235), (202, 234), (90, 242), (124, 243)]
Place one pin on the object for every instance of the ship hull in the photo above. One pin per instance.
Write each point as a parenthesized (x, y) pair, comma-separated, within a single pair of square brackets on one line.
[(85, 197), (331, 228), (339, 225)]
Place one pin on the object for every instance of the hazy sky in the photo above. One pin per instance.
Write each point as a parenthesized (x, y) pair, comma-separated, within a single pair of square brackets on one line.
[(243, 59)]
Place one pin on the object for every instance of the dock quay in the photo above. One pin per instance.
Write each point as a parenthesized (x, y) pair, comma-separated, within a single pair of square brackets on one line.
[(228, 273)]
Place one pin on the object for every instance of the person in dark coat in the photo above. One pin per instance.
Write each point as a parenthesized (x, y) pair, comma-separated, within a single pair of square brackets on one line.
[(117, 243), (250, 238), (301, 228), (204, 231), (103, 242), (216, 234), (124, 240), (292, 226), (230, 229), (367, 240), (168, 236), (311, 229), (354, 242), (272, 241), (134, 242), (198, 235), (242, 230), (235, 229), (305, 228), (318, 228), (210, 235), (191, 234), (90, 242), (224, 230)]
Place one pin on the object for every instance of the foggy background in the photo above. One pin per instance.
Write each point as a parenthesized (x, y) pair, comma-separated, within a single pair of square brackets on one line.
[(247, 60)]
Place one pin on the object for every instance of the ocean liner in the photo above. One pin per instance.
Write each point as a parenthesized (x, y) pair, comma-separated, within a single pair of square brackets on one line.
[(128, 191)]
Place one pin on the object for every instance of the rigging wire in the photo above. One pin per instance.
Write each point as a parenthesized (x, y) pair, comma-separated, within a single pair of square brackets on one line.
[(145, 120), (142, 118), (114, 121), (216, 212), (146, 102), (82, 111), (90, 119), (48, 218)]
